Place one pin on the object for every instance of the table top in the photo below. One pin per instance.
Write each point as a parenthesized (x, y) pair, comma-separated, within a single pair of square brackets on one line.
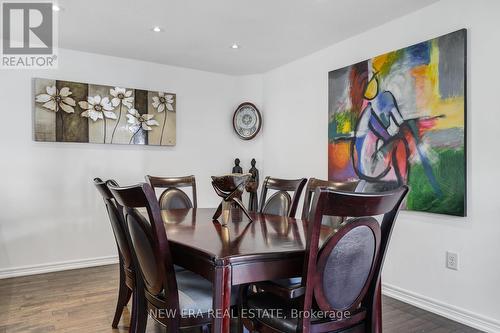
[(268, 236)]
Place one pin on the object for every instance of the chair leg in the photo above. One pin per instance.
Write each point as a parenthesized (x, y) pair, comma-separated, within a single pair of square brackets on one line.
[(141, 311), (129, 296), (133, 315), (123, 297), (242, 292)]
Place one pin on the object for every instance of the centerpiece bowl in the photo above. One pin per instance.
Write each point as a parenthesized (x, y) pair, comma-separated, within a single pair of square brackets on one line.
[(230, 188)]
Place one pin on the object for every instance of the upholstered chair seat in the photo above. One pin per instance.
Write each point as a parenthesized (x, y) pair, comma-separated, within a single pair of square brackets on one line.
[(285, 288), (195, 292), (178, 268)]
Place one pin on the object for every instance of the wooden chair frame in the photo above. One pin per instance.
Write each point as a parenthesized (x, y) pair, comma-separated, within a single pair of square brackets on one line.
[(289, 185), (174, 182)]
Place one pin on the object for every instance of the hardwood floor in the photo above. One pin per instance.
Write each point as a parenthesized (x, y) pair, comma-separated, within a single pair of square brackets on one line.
[(84, 300)]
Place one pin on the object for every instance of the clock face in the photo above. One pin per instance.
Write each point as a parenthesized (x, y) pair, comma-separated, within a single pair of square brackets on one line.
[(247, 121)]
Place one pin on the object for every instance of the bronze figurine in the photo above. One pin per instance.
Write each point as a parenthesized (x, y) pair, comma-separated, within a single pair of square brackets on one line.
[(252, 187), (237, 168)]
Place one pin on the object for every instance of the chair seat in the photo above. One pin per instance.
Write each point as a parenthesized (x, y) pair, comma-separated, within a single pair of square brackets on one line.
[(287, 321), (285, 288), (289, 283), (195, 293), (179, 268), (266, 300)]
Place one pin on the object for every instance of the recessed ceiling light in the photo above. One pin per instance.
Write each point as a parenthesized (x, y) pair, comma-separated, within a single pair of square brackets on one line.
[(157, 29), (235, 46), (56, 8)]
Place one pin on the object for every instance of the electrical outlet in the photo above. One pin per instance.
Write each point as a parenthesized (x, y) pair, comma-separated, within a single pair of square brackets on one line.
[(452, 260)]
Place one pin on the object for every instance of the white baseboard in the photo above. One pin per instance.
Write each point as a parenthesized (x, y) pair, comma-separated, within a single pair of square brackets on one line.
[(56, 267), (451, 312)]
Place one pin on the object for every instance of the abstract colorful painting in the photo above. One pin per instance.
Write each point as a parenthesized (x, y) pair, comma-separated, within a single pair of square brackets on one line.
[(399, 118), (67, 111)]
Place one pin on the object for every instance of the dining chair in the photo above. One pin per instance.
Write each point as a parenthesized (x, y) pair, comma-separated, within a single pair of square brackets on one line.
[(341, 276), (173, 197), (175, 299), (292, 287), (281, 203), (127, 271)]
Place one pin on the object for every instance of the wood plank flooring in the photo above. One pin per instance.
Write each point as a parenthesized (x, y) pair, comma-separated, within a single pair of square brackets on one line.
[(84, 301)]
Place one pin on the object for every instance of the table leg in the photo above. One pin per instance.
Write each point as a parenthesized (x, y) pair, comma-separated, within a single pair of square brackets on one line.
[(221, 320)]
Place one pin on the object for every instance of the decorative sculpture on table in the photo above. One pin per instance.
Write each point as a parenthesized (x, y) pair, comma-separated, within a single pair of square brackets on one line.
[(252, 187), (229, 188), (237, 168)]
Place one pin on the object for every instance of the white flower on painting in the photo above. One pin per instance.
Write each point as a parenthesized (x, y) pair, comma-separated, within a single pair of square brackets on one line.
[(163, 102), (121, 96), (138, 121), (56, 100), (97, 108)]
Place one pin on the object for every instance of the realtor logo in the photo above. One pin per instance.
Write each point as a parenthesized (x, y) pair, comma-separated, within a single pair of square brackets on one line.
[(28, 32)]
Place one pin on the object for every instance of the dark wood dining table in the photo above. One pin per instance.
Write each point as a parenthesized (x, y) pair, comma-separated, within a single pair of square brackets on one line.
[(271, 247)]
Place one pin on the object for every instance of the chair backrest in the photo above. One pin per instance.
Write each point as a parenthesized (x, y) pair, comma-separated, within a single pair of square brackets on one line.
[(342, 275), (148, 241), (116, 219), (173, 197), (281, 203), (314, 183)]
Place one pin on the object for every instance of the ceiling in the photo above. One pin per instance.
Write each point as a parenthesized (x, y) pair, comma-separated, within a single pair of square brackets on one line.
[(199, 33)]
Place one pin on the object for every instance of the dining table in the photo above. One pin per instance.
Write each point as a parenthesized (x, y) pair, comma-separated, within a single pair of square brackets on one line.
[(264, 247)]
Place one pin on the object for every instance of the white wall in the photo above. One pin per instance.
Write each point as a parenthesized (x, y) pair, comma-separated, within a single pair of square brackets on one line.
[(50, 211), (295, 98)]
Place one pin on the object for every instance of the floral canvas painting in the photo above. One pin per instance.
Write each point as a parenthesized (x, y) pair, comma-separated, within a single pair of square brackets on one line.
[(399, 118), (67, 111)]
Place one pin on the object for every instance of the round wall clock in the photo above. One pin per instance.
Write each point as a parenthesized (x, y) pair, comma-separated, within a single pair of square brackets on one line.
[(247, 121)]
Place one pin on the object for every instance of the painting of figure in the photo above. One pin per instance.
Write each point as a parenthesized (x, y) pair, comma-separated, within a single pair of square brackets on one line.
[(66, 111), (399, 118)]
